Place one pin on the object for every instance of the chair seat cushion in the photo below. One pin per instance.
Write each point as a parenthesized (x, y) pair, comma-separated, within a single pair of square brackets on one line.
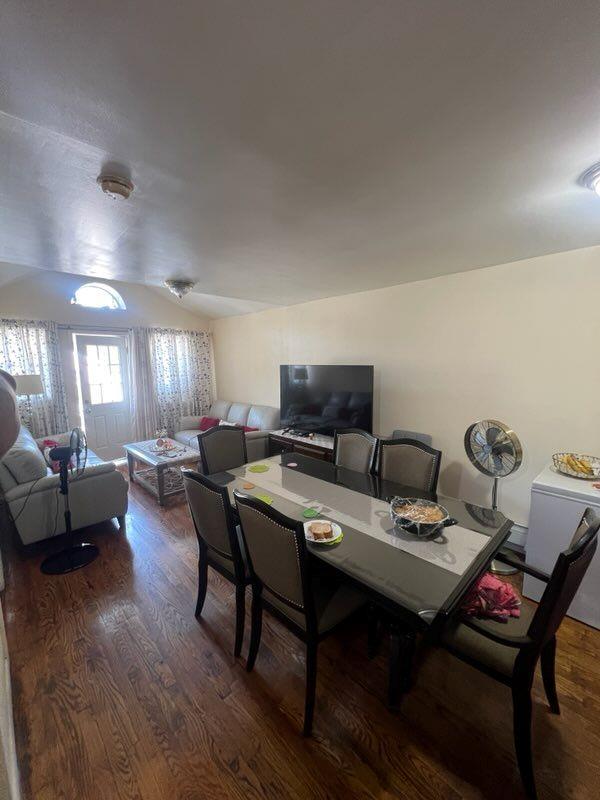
[(474, 646), (333, 603)]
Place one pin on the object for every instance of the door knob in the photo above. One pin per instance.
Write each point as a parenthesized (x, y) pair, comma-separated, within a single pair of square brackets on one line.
[(88, 409)]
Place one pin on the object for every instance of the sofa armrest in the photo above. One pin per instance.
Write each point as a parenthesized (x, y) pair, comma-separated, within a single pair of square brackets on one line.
[(53, 481), (98, 495), (250, 435), (190, 423)]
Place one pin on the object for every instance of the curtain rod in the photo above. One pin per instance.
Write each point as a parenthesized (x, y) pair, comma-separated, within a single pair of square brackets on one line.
[(108, 328), (92, 328)]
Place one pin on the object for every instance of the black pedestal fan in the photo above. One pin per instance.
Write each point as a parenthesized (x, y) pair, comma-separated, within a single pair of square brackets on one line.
[(74, 555)]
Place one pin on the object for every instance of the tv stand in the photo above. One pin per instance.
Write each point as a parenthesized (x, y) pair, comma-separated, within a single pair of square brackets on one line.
[(315, 445)]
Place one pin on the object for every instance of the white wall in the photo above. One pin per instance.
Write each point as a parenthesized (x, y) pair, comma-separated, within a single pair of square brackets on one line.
[(518, 342), (47, 295)]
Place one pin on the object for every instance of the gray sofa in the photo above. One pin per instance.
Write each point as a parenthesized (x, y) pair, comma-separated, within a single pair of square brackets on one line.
[(30, 490), (265, 418)]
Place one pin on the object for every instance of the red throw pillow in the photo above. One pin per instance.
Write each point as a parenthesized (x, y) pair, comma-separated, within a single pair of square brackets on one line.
[(208, 422), (247, 429)]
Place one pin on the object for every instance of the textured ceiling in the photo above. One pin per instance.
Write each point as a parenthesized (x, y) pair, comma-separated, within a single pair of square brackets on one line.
[(283, 151)]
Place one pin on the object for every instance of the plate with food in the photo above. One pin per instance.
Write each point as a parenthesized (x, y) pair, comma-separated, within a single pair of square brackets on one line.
[(322, 531), (577, 466), (418, 516)]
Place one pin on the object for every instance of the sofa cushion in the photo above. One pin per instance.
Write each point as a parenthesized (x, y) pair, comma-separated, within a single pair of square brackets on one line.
[(188, 437), (220, 409), (24, 461), (266, 418), (238, 413)]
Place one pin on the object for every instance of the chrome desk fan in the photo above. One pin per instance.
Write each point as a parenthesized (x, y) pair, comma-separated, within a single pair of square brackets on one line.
[(495, 450)]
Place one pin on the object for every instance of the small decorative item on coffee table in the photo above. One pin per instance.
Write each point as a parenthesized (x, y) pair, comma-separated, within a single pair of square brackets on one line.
[(162, 475)]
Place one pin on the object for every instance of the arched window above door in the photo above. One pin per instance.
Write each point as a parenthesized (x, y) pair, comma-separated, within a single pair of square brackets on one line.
[(98, 295)]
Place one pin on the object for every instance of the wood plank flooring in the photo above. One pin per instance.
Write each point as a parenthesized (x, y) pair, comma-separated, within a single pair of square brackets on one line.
[(120, 693)]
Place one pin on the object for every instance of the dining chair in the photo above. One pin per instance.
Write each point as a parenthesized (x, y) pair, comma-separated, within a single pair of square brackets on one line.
[(409, 462), (354, 449), (283, 582), (509, 653), (219, 543), (221, 448)]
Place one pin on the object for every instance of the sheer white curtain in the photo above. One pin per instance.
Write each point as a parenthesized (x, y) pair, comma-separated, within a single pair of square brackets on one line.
[(144, 406), (172, 377), (30, 347)]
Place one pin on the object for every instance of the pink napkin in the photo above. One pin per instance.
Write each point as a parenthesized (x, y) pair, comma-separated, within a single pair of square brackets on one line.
[(492, 599)]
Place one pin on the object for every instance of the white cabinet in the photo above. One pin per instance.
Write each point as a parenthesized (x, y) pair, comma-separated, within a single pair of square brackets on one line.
[(557, 503)]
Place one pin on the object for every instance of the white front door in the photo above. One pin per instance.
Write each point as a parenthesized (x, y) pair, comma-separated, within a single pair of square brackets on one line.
[(104, 380)]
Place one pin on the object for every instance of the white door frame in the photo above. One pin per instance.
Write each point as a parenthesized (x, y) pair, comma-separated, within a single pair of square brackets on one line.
[(116, 429)]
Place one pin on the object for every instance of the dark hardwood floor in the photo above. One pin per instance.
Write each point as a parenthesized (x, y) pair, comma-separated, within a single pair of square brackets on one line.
[(120, 693)]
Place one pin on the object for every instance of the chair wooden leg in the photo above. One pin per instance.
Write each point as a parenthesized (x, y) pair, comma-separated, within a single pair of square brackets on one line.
[(255, 630), (402, 649), (202, 584), (374, 632), (408, 656), (522, 734), (311, 685), (394, 668), (548, 658), (240, 615)]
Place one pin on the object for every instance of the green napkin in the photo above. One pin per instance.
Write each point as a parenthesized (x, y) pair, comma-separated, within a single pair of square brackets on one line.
[(258, 468), (265, 498), (337, 541), (310, 513), (329, 544)]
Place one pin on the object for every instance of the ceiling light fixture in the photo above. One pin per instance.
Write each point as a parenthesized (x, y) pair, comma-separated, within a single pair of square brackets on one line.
[(179, 287), (115, 186), (591, 178)]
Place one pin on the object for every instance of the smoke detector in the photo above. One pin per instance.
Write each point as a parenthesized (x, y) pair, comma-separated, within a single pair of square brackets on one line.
[(179, 287), (115, 186)]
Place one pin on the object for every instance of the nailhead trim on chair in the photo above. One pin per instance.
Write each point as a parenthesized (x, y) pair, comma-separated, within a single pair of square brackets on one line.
[(287, 530), (228, 556)]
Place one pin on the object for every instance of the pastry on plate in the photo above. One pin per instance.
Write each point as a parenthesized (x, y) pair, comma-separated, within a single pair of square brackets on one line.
[(321, 530)]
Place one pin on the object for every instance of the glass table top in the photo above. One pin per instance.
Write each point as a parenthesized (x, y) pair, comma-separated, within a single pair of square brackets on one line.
[(424, 577)]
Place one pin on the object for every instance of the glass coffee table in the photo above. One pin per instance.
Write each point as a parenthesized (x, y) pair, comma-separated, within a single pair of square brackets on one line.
[(161, 473)]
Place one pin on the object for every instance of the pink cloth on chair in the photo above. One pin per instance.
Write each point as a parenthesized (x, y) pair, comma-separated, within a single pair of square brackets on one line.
[(493, 599)]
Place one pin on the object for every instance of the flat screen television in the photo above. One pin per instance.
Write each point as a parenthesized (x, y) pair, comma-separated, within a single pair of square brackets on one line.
[(325, 398)]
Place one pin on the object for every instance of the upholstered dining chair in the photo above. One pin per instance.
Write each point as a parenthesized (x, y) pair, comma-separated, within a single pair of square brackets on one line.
[(219, 543), (509, 653), (409, 462), (283, 583), (354, 449), (221, 448)]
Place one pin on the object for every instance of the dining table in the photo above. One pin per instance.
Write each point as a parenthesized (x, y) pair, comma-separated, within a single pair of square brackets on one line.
[(418, 582)]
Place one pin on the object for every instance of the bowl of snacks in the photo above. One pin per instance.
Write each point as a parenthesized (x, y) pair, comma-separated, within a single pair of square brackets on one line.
[(577, 466), (417, 516)]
